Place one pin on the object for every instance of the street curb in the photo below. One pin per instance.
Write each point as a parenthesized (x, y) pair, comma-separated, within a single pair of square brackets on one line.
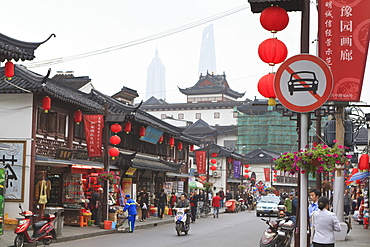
[(86, 235)]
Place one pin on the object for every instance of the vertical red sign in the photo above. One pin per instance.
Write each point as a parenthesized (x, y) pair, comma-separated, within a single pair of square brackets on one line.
[(343, 44), (200, 157), (266, 171), (94, 134)]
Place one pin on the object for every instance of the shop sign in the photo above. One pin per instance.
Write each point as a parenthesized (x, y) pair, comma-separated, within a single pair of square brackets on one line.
[(63, 154), (237, 164), (81, 155), (266, 171), (130, 171), (94, 134), (152, 135), (343, 44), (200, 158), (126, 185)]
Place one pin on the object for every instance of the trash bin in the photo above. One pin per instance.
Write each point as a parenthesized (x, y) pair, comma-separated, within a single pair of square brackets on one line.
[(230, 204), (59, 219)]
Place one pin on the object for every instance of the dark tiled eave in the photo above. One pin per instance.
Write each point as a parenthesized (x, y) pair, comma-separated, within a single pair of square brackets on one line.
[(187, 106), (13, 49), (211, 90)]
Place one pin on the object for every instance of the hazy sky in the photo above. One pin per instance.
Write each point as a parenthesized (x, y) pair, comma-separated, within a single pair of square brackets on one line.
[(83, 26)]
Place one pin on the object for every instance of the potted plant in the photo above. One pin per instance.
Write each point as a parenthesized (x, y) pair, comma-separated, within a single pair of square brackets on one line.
[(110, 176), (241, 187), (207, 185), (319, 158), (326, 185)]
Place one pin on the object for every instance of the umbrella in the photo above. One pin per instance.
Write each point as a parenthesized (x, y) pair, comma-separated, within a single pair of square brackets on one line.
[(359, 175), (195, 185)]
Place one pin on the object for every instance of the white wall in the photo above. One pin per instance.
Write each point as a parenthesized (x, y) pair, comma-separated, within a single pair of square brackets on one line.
[(15, 119)]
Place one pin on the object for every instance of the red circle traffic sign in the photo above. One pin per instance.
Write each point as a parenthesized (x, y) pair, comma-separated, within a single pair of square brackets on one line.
[(303, 83)]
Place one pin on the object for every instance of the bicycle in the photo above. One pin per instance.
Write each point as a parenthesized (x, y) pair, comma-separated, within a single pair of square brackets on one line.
[(203, 210)]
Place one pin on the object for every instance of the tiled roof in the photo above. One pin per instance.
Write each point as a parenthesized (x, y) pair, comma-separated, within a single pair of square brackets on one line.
[(200, 127), (72, 81), (258, 6), (12, 49), (192, 106), (261, 156)]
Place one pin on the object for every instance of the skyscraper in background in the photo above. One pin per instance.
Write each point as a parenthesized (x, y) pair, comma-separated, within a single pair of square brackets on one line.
[(207, 61), (156, 83)]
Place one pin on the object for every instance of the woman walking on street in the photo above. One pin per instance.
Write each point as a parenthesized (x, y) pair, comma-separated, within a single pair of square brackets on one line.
[(144, 203), (216, 205), (324, 223)]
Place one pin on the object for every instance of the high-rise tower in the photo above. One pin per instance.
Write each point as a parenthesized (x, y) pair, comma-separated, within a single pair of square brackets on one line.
[(207, 61), (156, 83)]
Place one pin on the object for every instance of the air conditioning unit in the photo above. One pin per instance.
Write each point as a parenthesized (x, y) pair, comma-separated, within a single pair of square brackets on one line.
[(216, 174)]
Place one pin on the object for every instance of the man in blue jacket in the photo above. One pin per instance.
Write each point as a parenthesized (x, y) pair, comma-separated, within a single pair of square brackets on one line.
[(131, 209)]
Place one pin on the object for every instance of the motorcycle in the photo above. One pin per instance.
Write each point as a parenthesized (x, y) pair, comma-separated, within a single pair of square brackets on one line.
[(180, 221), (279, 233), (242, 205), (43, 231)]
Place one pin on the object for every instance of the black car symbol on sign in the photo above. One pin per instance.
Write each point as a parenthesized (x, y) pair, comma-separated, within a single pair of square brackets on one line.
[(307, 82)]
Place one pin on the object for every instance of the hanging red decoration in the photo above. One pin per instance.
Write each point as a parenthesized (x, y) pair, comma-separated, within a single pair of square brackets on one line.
[(363, 163), (246, 170), (115, 128), (213, 168), (9, 70), (229, 160), (160, 139), (213, 161), (115, 140), (214, 155), (275, 171), (247, 166), (113, 152), (78, 117), (46, 104), (128, 126), (272, 51), (275, 175), (179, 146), (354, 171), (191, 148), (265, 87), (274, 19), (142, 131), (171, 142), (246, 176), (274, 179)]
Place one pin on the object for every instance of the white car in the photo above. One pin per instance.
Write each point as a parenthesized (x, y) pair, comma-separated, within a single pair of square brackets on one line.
[(268, 205)]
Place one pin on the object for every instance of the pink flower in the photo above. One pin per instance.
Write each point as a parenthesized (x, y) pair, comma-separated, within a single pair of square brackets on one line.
[(303, 171), (335, 141), (337, 161), (349, 156), (340, 146), (329, 155), (335, 155), (319, 159), (324, 146)]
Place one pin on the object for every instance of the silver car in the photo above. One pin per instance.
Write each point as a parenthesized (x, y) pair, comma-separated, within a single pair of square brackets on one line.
[(267, 205)]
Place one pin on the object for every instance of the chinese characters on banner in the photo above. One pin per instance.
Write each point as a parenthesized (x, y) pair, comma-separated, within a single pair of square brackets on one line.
[(200, 157), (237, 164), (266, 171), (343, 44), (94, 134)]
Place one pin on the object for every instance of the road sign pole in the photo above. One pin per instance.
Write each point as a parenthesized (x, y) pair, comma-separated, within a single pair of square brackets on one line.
[(304, 183)]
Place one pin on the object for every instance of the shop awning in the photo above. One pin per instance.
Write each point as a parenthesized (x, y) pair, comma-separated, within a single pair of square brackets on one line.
[(233, 180), (42, 160), (153, 164), (179, 175)]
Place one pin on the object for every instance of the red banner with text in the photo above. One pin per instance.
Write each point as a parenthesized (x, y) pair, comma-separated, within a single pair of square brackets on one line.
[(201, 159), (94, 134), (343, 44), (266, 171)]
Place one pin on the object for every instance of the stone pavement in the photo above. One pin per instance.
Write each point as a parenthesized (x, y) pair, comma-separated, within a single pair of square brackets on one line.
[(357, 237)]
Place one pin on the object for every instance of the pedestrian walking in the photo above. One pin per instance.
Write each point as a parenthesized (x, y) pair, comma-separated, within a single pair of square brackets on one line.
[(250, 201), (172, 203), (347, 202), (193, 203), (143, 200), (162, 202), (229, 196), (216, 205), (324, 223), (96, 206), (221, 194), (131, 209)]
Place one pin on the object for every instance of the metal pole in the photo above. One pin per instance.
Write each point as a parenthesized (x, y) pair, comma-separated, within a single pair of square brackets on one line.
[(106, 167), (303, 184)]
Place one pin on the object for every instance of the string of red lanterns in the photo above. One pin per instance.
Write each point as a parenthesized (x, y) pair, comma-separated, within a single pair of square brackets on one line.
[(214, 155), (213, 168), (115, 140)]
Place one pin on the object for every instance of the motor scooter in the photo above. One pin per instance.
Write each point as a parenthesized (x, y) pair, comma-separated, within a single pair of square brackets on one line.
[(43, 231), (279, 233), (181, 224)]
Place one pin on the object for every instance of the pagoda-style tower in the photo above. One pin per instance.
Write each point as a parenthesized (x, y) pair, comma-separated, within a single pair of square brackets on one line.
[(211, 88)]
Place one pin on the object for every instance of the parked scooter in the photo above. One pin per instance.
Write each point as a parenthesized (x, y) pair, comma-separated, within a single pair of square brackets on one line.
[(180, 221), (43, 231), (279, 233)]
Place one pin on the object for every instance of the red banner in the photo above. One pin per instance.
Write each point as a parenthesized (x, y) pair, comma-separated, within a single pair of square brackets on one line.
[(343, 44), (266, 171), (201, 159), (94, 134)]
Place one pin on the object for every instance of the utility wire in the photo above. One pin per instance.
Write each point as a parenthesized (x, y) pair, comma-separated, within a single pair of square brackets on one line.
[(138, 41)]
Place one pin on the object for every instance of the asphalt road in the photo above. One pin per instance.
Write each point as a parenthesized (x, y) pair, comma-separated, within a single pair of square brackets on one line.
[(237, 230)]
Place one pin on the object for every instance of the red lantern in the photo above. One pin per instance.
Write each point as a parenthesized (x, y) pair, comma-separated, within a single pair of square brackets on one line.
[(274, 179), (246, 176), (363, 163), (191, 148), (128, 126), (213, 161), (229, 160), (179, 146), (274, 19), (275, 175), (213, 168), (171, 142), (272, 51), (78, 117), (46, 104), (160, 139), (246, 170), (113, 152), (246, 166), (214, 155), (142, 131), (115, 140), (275, 171), (115, 128), (9, 70), (266, 88)]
